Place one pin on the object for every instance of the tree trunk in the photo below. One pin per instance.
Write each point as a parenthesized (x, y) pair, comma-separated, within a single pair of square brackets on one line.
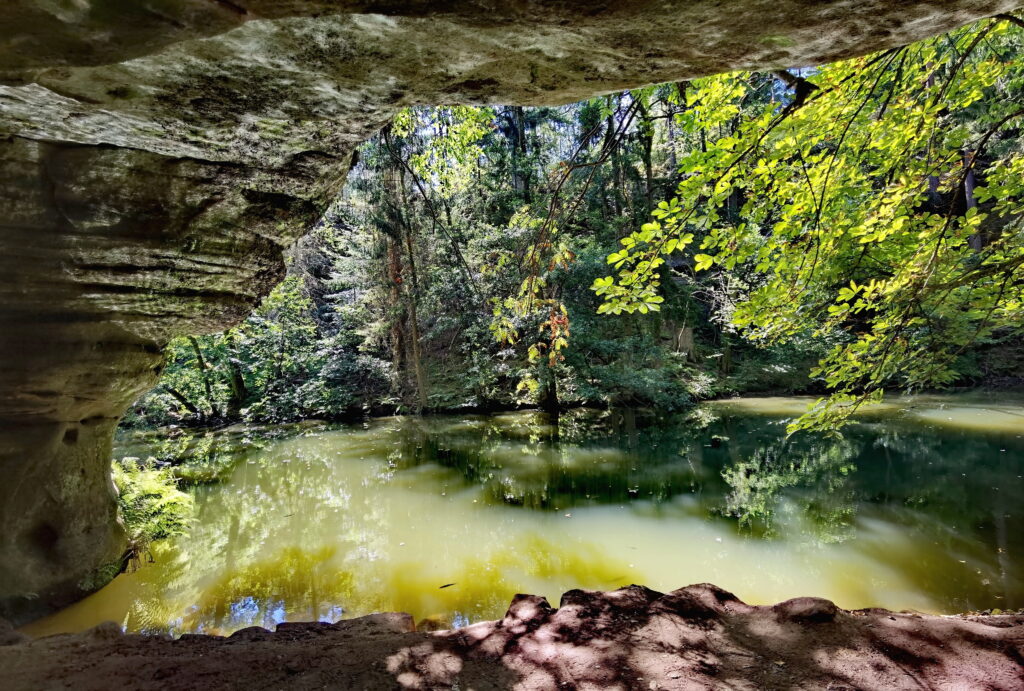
[(396, 332), (205, 369), (549, 394), (236, 381), (646, 131), (417, 360), (977, 240), (549, 402), (422, 394), (520, 171), (616, 176)]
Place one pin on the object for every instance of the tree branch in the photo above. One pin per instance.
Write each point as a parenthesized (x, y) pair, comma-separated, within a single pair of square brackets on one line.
[(180, 397), (1010, 18)]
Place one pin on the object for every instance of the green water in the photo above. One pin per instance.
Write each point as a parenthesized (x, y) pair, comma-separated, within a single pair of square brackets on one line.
[(919, 506)]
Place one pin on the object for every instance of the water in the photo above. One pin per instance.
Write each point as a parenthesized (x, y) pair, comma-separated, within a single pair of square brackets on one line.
[(920, 506)]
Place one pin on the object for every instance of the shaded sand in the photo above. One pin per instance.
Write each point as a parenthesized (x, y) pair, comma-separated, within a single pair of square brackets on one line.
[(699, 637)]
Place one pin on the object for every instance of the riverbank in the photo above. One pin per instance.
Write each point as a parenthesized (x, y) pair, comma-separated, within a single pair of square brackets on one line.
[(699, 637), (1005, 388)]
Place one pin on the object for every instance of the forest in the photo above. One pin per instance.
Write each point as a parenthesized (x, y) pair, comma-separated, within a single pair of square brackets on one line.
[(839, 231)]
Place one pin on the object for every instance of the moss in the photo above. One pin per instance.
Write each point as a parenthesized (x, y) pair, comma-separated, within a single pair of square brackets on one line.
[(101, 575)]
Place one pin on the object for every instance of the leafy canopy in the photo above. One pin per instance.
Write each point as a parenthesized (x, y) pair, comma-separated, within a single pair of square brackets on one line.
[(879, 199)]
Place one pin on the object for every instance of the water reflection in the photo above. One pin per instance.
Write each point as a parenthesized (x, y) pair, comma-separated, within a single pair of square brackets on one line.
[(448, 517)]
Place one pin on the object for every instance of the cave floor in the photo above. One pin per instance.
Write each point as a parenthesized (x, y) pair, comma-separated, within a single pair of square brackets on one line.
[(699, 637)]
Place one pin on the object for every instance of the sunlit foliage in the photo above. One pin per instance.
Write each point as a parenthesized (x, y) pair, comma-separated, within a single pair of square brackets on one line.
[(879, 199)]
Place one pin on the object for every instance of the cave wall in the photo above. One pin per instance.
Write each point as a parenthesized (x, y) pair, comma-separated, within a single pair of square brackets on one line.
[(158, 156)]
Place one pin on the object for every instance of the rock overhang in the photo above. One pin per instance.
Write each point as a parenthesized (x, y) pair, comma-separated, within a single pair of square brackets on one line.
[(263, 83)]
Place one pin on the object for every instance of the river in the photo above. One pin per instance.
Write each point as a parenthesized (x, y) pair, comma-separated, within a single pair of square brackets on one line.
[(920, 505)]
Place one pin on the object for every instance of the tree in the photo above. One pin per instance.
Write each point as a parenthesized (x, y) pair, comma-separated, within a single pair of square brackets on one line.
[(857, 221)]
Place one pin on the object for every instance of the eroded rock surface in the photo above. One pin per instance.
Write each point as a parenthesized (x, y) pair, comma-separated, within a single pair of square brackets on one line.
[(699, 637), (157, 157)]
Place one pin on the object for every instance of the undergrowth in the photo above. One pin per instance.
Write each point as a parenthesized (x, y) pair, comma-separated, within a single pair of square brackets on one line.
[(152, 506)]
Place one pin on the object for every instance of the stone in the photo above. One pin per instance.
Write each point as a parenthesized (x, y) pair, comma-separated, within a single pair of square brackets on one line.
[(304, 627), (525, 607), (197, 638), (377, 624), (157, 158), (700, 602), (251, 633), (807, 609), (108, 630), (632, 598), (8, 636), (525, 613)]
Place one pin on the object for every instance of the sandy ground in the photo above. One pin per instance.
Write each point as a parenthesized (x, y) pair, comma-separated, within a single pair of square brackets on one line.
[(699, 637)]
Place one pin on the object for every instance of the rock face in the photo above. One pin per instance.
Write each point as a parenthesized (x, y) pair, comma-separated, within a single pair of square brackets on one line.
[(698, 637), (157, 157)]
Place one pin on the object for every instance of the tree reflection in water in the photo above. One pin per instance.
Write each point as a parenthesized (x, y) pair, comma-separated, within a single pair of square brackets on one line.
[(324, 522)]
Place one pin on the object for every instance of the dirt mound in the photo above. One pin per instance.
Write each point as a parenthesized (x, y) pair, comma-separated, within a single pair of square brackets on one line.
[(699, 637)]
